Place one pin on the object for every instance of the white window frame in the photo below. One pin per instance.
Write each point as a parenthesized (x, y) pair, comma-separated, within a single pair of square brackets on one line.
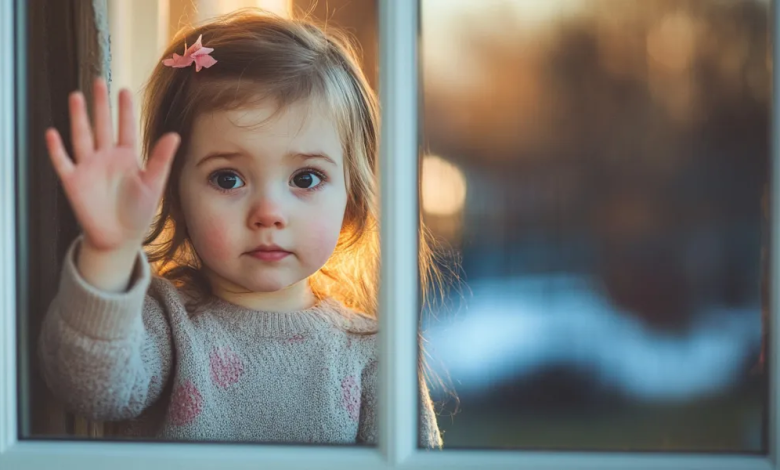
[(397, 449)]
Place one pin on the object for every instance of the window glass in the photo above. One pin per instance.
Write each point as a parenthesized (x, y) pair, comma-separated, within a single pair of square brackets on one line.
[(600, 167), (223, 370)]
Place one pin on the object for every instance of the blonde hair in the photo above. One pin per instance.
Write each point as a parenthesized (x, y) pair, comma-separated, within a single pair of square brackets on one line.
[(265, 56)]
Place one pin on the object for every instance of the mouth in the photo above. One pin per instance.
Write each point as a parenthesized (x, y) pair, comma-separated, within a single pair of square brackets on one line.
[(269, 253)]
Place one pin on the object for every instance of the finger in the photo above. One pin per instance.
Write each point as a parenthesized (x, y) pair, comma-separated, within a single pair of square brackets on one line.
[(104, 133), (62, 163), (159, 165), (126, 120), (80, 131)]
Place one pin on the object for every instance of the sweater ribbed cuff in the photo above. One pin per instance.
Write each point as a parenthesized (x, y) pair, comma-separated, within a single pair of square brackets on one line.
[(99, 314)]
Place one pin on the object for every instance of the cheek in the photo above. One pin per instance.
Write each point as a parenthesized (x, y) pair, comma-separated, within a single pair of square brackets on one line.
[(214, 242), (321, 236), (208, 224), (210, 233)]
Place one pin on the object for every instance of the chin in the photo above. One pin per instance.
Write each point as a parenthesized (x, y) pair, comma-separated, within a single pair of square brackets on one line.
[(267, 287), (268, 283)]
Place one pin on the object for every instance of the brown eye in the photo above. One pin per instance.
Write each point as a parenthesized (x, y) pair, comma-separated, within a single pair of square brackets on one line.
[(306, 180), (226, 180)]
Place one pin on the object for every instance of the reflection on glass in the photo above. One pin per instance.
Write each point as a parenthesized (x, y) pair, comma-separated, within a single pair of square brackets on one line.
[(599, 166)]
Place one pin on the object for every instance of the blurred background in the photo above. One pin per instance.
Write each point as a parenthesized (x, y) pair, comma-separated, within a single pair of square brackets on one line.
[(598, 165)]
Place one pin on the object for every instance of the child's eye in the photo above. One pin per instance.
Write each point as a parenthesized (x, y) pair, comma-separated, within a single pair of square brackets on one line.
[(307, 179), (226, 180)]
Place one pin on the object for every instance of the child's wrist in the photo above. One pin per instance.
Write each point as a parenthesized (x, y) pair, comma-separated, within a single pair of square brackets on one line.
[(94, 250), (109, 270)]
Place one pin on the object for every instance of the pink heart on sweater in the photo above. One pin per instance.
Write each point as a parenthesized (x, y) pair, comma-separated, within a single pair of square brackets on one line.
[(296, 339), (186, 404), (350, 397), (226, 367)]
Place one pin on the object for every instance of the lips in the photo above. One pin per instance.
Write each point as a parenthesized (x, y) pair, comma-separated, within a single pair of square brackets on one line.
[(269, 253)]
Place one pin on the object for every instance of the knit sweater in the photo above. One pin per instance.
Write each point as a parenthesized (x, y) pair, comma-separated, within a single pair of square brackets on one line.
[(225, 373)]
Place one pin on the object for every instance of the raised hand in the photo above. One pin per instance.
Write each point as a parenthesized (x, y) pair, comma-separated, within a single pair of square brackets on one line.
[(113, 197)]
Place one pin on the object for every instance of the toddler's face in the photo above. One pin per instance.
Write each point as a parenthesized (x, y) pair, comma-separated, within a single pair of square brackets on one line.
[(264, 197)]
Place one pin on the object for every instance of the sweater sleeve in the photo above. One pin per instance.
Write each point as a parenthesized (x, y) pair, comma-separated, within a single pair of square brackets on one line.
[(106, 355), (429, 436)]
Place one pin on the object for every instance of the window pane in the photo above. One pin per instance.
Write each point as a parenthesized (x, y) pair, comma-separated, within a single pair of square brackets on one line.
[(209, 367), (599, 167)]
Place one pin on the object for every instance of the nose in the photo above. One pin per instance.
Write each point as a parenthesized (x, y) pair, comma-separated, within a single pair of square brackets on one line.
[(267, 212)]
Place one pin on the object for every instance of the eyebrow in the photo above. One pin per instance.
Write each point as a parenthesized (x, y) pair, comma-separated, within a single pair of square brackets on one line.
[(312, 156), (213, 155), (232, 155)]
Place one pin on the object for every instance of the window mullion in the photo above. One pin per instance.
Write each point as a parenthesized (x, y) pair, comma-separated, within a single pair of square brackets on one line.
[(8, 188), (398, 21)]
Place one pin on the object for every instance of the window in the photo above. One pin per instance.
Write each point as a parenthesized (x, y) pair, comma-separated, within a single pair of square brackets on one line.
[(599, 167), (398, 80), (127, 43)]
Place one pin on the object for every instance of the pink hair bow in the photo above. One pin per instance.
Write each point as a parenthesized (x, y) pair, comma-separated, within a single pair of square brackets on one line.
[(195, 53)]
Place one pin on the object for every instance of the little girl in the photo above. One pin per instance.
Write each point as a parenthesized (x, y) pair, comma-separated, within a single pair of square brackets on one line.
[(261, 144)]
